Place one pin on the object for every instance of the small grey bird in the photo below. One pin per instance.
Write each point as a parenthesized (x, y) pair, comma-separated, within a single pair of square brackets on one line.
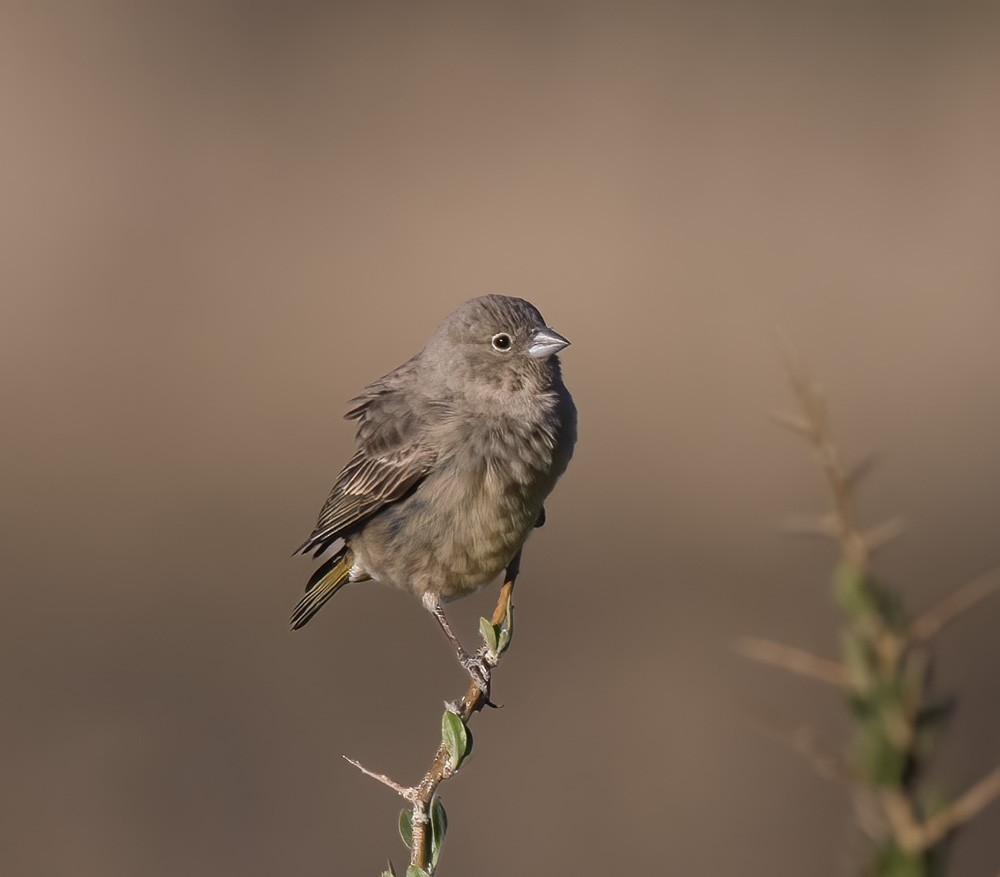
[(457, 450)]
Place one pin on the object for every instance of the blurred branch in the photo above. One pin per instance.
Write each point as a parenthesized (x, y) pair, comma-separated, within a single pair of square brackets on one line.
[(919, 837), (455, 743), (794, 660), (803, 742), (969, 805), (965, 598), (885, 668)]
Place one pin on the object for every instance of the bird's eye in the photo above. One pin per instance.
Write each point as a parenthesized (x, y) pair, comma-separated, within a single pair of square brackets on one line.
[(502, 342)]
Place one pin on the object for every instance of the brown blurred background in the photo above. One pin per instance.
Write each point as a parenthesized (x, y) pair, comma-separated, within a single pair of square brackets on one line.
[(219, 220)]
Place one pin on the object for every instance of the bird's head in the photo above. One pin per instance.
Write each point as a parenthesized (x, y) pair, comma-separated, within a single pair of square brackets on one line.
[(499, 342)]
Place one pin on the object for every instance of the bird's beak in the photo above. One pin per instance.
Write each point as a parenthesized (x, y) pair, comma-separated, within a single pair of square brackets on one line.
[(545, 342)]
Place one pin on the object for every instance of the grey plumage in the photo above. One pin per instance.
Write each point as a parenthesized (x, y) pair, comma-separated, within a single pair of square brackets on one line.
[(457, 450)]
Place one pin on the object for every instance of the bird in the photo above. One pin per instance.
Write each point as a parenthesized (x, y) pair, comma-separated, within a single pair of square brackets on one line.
[(456, 451)]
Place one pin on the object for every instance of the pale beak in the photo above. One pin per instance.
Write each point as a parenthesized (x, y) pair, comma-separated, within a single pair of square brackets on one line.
[(545, 342)]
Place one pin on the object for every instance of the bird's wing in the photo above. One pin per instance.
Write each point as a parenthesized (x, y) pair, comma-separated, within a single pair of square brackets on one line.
[(393, 456)]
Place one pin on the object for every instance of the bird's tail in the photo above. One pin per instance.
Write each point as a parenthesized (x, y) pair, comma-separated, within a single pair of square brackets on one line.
[(324, 583)]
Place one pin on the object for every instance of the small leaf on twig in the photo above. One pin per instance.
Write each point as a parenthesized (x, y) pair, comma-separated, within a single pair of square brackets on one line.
[(489, 634), (439, 827), (415, 871), (406, 827), (389, 870), (455, 737)]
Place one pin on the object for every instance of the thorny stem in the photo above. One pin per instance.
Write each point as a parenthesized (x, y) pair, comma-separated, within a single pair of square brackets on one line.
[(816, 428), (911, 832)]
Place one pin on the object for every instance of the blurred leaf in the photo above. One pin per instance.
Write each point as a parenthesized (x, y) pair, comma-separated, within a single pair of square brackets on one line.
[(880, 762), (890, 694), (915, 673), (862, 707), (414, 871), (439, 827), (859, 596), (406, 828), (932, 801), (894, 862), (503, 640), (389, 870), (889, 606), (489, 634), (850, 589), (859, 660), (930, 725), (934, 715), (455, 737)]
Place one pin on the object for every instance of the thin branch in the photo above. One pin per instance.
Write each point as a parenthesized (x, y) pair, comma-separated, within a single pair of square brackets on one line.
[(824, 526), (909, 830), (813, 423), (803, 741), (906, 829), (969, 595), (474, 699), (793, 423), (918, 837), (406, 791), (968, 806), (882, 534), (860, 470), (794, 660)]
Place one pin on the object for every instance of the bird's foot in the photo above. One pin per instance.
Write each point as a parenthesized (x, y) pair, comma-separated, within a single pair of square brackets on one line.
[(479, 669)]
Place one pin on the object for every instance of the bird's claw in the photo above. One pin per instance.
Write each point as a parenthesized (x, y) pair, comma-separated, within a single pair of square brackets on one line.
[(480, 670)]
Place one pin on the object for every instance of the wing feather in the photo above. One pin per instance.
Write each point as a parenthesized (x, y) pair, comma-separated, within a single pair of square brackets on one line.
[(392, 457)]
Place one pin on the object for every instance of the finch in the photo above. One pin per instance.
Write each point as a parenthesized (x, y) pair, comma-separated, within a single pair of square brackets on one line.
[(456, 451)]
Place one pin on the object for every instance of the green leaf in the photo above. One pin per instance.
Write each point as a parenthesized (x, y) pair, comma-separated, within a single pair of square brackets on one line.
[(880, 762), (389, 870), (859, 660), (406, 828), (468, 743), (891, 861), (889, 607), (503, 640), (489, 634), (932, 801), (851, 590), (439, 827), (455, 737), (862, 708), (932, 718), (414, 871)]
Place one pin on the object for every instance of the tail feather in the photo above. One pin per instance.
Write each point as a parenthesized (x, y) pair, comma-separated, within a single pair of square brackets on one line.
[(329, 578)]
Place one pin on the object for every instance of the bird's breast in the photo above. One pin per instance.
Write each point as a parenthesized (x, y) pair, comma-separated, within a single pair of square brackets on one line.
[(465, 521)]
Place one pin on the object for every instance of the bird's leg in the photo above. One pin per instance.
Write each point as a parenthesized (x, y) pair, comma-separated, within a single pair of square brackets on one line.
[(476, 664)]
